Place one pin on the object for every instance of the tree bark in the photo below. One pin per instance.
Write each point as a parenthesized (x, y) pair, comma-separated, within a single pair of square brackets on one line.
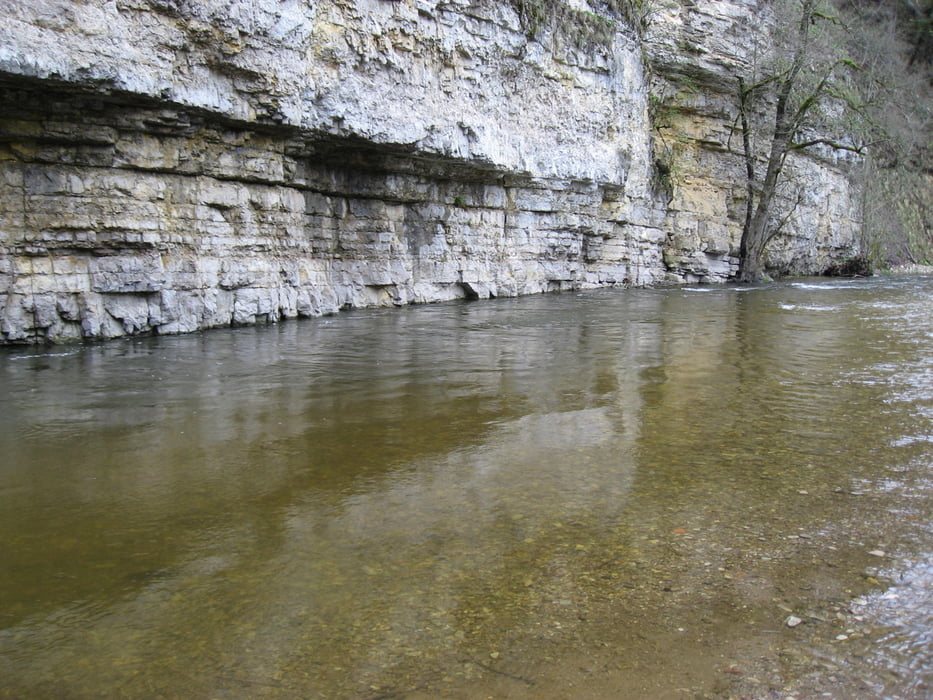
[(756, 232)]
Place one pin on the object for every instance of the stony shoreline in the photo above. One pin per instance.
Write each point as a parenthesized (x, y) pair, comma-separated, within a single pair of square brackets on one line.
[(912, 269)]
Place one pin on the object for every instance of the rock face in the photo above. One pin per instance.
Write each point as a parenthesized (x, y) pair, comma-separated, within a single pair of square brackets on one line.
[(172, 165), (697, 50)]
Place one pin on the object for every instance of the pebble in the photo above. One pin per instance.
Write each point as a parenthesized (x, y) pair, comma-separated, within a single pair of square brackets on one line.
[(792, 621)]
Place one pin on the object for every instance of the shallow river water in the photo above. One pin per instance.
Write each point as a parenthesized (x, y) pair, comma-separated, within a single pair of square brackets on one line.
[(677, 493)]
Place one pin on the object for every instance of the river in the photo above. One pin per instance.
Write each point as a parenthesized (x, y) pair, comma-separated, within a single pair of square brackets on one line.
[(651, 493)]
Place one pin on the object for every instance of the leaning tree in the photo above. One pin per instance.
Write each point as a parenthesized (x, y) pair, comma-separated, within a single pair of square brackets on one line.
[(788, 93)]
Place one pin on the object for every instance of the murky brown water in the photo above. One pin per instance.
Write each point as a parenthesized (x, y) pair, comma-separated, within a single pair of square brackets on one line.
[(620, 494)]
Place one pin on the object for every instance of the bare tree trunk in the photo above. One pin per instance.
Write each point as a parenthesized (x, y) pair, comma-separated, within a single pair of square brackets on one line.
[(756, 232)]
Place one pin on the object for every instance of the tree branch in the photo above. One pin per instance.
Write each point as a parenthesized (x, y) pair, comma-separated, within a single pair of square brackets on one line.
[(790, 212), (746, 91), (823, 87), (826, 142)]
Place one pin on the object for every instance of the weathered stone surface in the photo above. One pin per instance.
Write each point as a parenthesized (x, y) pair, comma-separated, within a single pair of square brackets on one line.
[(697, 50), (169, 166)]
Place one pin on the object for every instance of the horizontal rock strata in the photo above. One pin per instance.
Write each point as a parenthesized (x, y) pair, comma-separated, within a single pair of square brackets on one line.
[(173, 165), (129, 219)]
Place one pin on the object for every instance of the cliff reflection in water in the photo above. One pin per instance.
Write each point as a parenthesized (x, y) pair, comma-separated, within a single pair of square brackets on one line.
[(439, 499)]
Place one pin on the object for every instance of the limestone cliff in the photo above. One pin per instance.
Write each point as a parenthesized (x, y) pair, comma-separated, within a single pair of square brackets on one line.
[(696, 50), (171, 165)]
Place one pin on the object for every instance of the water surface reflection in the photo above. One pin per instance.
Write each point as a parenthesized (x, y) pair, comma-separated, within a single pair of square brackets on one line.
[(611, 493)]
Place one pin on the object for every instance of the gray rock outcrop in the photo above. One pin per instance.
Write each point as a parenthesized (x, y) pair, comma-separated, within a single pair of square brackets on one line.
[(173, 165)]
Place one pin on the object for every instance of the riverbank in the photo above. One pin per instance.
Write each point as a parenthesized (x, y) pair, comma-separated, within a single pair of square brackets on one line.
[(912, 269)]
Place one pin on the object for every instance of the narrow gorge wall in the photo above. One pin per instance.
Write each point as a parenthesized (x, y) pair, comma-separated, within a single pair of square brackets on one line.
[(170, 165)]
